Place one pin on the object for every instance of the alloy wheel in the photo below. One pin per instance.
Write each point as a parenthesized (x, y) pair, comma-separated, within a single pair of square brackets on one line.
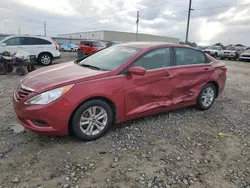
[(208, 96), (45, 59), (93, 120)]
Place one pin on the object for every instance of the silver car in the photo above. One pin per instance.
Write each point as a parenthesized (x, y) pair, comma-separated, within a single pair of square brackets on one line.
[(245, 56)]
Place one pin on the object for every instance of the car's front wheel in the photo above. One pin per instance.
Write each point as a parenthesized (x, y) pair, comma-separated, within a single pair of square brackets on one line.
[(45, 59), (206, 97), (92, 120)]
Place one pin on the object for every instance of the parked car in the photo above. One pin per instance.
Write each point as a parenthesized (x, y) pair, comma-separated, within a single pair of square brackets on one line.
[(111, 43), (200, 48), (44, 48), (69, 47), (245, 56), (231, 52), (214, 51), (90, 46), (119, 83)]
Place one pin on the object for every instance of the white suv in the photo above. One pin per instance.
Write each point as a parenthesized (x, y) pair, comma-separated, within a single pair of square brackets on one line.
[(44, 48)]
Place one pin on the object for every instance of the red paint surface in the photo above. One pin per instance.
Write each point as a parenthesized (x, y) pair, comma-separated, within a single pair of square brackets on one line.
[(133, 96), (89, 49)]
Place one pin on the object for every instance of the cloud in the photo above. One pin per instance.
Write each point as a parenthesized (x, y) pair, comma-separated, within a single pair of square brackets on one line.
[(211, 21)]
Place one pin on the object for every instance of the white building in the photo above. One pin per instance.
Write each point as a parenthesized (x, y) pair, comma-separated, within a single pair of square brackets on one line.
[(118, 36)]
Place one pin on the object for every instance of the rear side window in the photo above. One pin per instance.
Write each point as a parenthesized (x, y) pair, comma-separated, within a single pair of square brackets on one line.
[(188, 56), (35, 41), (86, 43), (97, 44)]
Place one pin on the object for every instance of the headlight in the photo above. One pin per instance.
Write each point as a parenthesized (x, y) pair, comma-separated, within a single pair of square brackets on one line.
[(49, 96)]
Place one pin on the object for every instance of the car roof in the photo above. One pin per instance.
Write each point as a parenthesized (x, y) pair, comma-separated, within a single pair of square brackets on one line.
[(90, 40), (144, 45)]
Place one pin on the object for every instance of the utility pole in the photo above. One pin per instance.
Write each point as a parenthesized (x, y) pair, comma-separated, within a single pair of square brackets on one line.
[(44, 28), (189, 11), (137, 24)]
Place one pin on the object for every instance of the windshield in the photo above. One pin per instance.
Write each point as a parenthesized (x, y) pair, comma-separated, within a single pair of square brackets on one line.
[(231, 48), (248, 51), (110, 58)]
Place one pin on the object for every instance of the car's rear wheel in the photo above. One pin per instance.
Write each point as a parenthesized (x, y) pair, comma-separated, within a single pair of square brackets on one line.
[(92, 120), (206, 97), (45, 59)]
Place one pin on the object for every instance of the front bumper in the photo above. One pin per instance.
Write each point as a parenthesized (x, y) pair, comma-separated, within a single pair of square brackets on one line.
[(56, 116), (228, 55), (244, 58)]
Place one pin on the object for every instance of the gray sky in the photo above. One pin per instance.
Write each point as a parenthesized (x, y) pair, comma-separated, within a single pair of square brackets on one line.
[(211, 21)]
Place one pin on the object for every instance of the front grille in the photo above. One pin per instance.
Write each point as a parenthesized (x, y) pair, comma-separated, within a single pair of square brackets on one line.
[(245, 55), (21, 93)]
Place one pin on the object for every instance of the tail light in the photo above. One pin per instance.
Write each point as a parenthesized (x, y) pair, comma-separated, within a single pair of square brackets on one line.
[(57, 46)]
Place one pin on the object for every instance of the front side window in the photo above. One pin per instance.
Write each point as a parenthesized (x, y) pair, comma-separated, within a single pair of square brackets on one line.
[(110, 58), (15, 41), (188, 56), (155, 59)]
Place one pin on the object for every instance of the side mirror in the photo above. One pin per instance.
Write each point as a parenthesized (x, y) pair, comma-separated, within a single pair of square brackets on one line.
[(2, 44), (137, 70)]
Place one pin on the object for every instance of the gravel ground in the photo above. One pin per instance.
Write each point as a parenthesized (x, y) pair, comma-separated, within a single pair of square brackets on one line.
[(177, 149)]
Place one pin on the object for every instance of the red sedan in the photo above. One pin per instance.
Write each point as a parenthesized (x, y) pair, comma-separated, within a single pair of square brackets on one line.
[(120, 83)]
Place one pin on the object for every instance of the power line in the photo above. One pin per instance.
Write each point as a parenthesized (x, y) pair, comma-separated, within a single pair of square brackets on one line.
[(222, 7)]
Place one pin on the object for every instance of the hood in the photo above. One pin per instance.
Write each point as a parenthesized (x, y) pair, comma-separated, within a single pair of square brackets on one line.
[(245, 53), (59, 75), (210, 50), (229, 51)]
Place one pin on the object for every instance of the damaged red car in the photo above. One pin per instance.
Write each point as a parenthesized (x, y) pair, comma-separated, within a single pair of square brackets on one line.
[(120, 83)]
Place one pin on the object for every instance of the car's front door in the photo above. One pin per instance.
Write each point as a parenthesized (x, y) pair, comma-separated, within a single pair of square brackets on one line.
[(191, 71), (13, 44), (153, 90)]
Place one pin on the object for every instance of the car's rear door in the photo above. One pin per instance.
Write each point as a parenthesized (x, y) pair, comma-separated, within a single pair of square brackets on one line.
[(153, 90), (191, 71)]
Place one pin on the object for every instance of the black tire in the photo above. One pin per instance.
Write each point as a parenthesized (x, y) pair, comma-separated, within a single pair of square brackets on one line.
[(199, 102), (3, 70), (72, 50), (215, 55), (9, 68), (63, 50), (20, 71), (30, 68), (78, 114), (45, 59)]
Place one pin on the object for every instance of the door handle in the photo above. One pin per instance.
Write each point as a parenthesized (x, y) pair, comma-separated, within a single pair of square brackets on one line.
[(168, 77), (207, 69)]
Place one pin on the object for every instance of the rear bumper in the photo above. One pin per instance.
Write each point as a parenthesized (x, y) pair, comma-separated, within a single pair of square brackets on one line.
[(57, 55)]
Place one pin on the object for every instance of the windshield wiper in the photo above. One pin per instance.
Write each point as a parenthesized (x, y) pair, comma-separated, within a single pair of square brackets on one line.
[(90, 66)]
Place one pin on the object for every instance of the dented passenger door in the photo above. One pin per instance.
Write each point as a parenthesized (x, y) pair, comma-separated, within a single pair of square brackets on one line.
[(150, 91), (192, 70)]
